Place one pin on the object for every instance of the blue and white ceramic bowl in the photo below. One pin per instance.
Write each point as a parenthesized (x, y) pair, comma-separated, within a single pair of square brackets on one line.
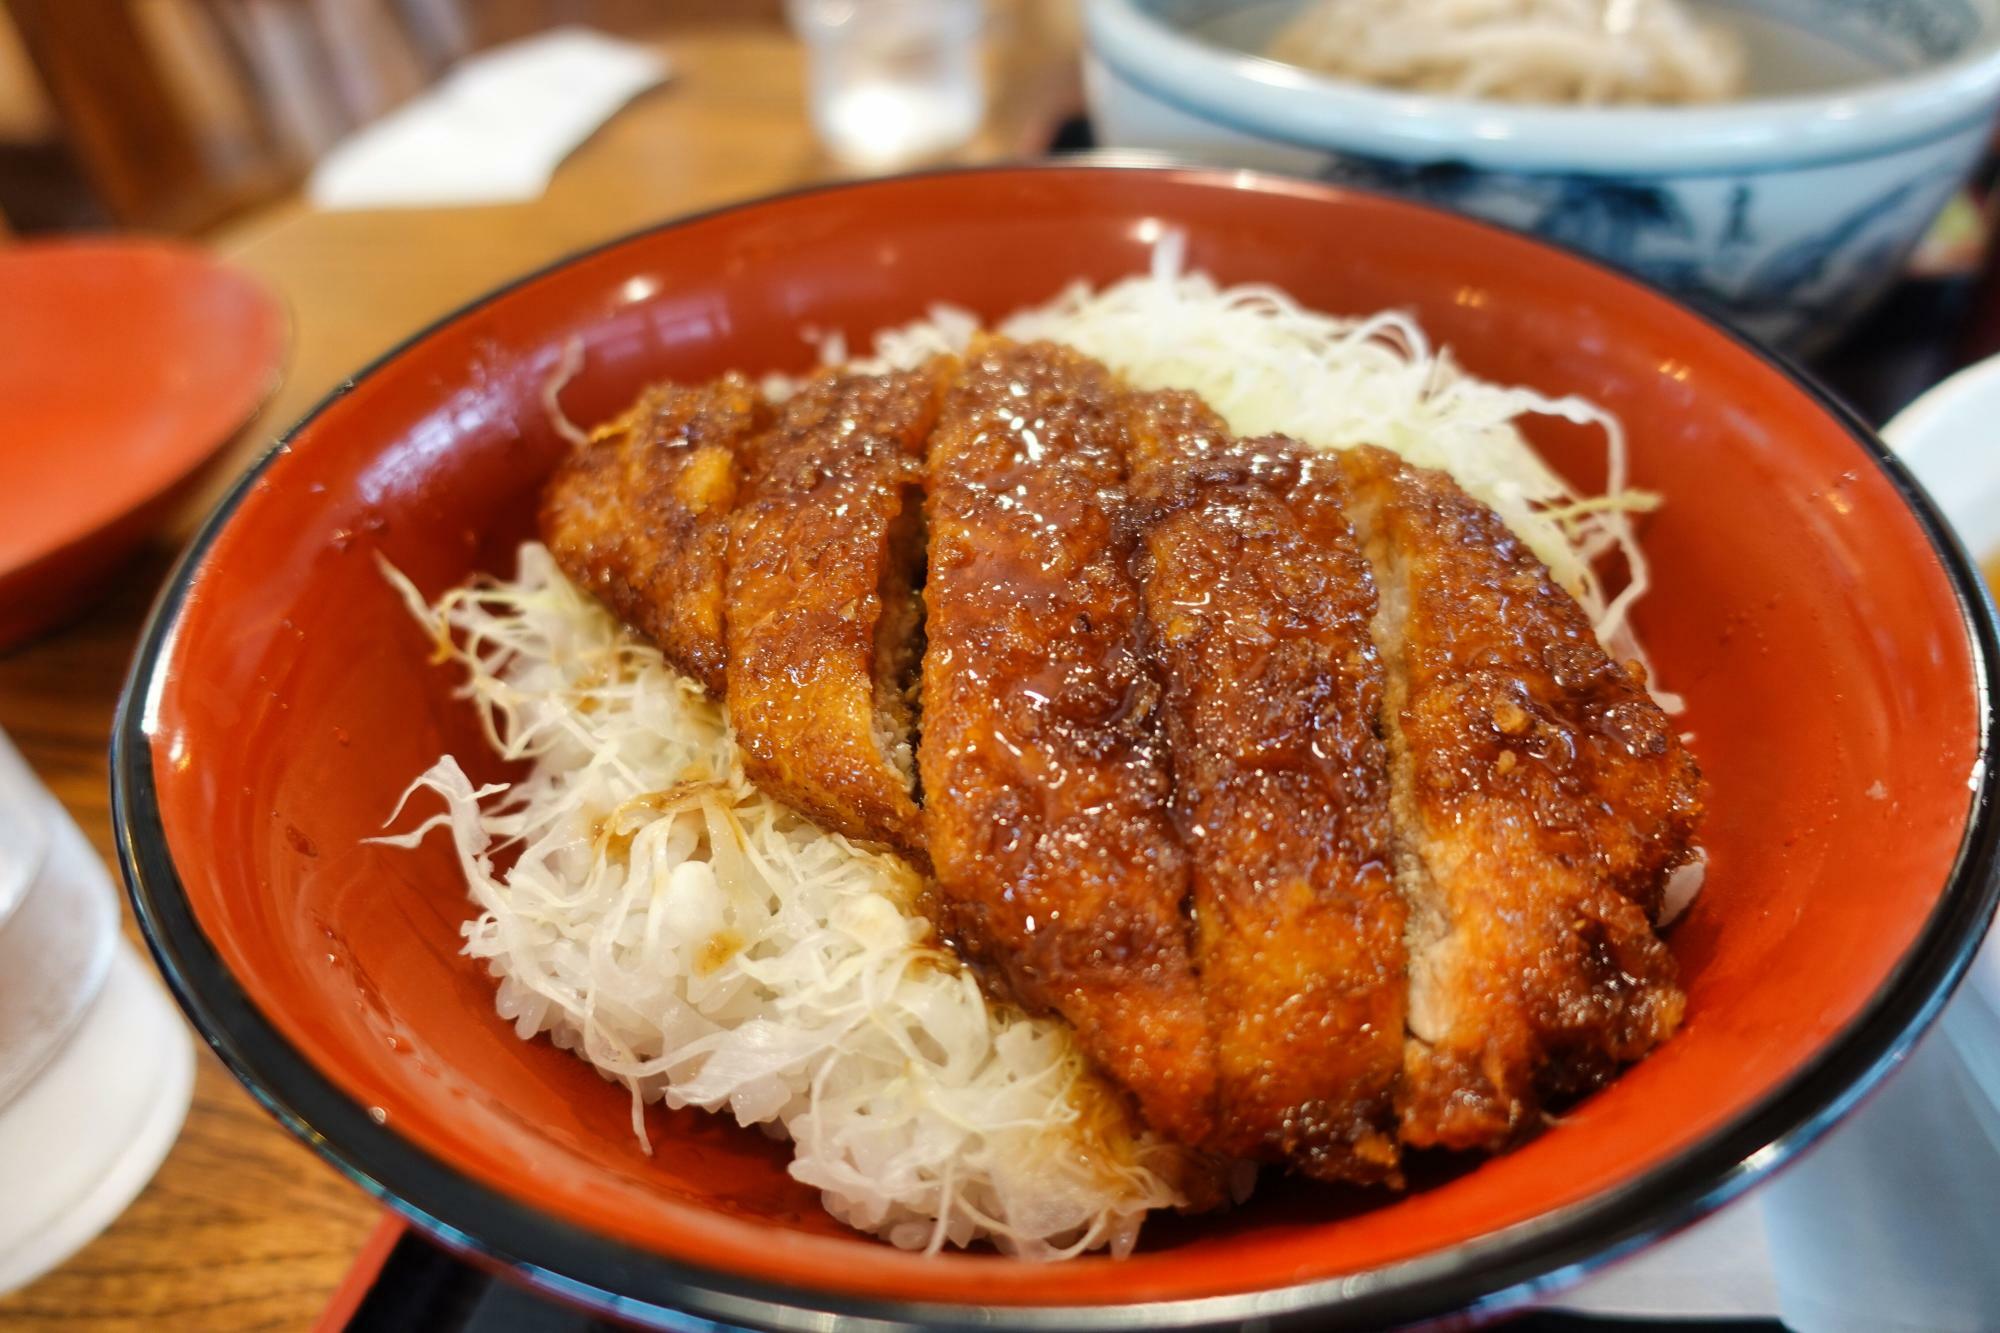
[(1787, 213)]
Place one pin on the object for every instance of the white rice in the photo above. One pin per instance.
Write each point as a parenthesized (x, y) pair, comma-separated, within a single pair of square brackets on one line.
[(699, 943)]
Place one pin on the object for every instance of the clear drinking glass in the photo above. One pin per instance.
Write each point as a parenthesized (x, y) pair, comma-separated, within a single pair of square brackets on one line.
[(892, 81)]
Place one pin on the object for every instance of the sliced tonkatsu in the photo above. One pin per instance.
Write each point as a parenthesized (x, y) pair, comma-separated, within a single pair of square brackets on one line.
[(1259, 604), (1044, 768), (1289, 778), (1540, 798), (824, 619), (639, 516)]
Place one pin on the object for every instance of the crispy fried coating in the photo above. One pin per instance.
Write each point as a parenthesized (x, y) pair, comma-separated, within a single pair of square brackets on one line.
[(1044, 771), (1540, 798), (1259, 603), (824, 617), (640, 515), (1330, 701)]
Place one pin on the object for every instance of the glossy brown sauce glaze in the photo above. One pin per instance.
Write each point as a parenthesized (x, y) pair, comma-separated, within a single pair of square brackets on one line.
[(1289, 779), (1540, 798), (639, 516), (1044, 767), (1259, 603), (823, 576)]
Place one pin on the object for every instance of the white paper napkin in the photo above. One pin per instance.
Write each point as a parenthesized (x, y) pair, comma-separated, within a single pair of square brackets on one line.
[(494, 130)]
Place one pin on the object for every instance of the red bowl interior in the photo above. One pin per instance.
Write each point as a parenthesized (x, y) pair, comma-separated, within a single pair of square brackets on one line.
[(124, 365), (1835, 698)]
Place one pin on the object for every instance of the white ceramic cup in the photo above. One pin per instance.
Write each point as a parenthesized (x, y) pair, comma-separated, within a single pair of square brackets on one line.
[(24, 832), (57, 930), (96, 1066)]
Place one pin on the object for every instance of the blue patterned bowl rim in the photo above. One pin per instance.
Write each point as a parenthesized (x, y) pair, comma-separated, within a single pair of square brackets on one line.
[(1271, 100)]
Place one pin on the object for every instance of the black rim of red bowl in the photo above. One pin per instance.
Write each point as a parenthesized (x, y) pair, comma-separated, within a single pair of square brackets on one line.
[(1491, 1272)]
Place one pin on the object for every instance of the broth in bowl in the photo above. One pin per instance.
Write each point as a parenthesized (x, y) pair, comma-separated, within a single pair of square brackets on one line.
[(1714, 51), (1786, 210)]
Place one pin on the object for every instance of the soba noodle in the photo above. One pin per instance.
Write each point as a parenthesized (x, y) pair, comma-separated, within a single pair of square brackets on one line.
[(1582, 51)]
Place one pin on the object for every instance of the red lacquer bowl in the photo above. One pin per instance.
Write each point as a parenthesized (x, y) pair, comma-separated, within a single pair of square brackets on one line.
[(1832, 640), (124, 366)]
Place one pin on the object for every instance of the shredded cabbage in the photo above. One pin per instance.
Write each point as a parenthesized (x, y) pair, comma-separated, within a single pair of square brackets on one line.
[(1270, 366), (698, 942)]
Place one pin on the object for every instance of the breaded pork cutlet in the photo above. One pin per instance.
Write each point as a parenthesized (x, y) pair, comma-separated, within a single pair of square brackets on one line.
[(1259, 603), (1540, 800), (1290, 779), (1044, 769), (825, 622), (639, 516)]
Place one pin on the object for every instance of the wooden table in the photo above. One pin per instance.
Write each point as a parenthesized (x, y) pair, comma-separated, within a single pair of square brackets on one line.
[(244, 1227)]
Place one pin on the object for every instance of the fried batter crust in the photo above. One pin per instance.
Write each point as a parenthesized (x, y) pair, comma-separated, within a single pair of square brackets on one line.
[(640, 515), (1540, 798), (1043, 765), (1259, 603), (816, 578)]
